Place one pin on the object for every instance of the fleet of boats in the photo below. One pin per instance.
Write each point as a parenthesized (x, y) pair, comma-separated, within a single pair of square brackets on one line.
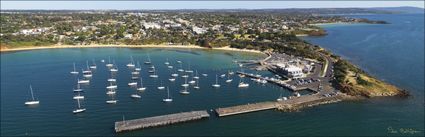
[(136, 72)]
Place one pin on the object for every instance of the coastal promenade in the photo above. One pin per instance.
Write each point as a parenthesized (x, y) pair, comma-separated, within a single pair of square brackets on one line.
[(128, 125)]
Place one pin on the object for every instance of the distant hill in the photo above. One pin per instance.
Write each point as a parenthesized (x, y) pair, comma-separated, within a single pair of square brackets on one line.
[(401, 9)]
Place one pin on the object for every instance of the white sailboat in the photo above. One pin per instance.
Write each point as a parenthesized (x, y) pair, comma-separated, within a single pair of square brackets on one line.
[(184, 91), (243, 84), (205, 75), (111, 92), (78, 96), (172, 79), (87, 73), (170, 67), (192, 81), (114, 69), (228, 79), (32, 101), (112, 100), (188, 69), (166, 62), (111, 86), (161, 87), (196, 75), (216, 85), (131, 64), (78, 89), (135, 95), (93, 66), (148, 61), (79, 109), (138, 67), (109, 63), (154, 75), (181, 68), (83, 81), (141, 88), (132, 84), (185, 83), (197, 84), (168, 99), (74, 71), (112, 80)]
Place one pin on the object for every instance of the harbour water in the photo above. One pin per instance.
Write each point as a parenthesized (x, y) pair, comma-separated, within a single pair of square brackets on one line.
[(392, 52)]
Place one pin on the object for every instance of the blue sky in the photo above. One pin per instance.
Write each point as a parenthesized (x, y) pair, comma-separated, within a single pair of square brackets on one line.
[(125, 5)]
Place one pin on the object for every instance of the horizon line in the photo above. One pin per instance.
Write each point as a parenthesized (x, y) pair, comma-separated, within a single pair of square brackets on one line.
[(217, 8)]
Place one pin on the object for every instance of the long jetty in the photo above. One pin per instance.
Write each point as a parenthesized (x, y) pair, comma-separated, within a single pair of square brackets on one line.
[(128, 125), (245, 108), (286, 105)]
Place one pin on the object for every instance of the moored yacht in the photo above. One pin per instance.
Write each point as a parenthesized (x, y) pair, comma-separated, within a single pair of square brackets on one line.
[(216, 85), (243, 84), (74, 71), (109, 63), (168, 99), (32, 101), (78, 89), (184, 91), (141, 88), (161, 87), (131, 64), (93, 66), (79, 109), (78, 96)]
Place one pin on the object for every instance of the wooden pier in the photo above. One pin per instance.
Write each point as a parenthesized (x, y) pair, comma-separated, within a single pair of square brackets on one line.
[(234, 110), (142, 123)]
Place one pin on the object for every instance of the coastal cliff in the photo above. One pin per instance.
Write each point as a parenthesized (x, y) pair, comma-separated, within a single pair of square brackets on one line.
[(353, 81)]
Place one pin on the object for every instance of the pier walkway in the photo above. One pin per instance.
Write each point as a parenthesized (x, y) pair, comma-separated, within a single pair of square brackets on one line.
[(290, 104), (234, 110), (142, 123)]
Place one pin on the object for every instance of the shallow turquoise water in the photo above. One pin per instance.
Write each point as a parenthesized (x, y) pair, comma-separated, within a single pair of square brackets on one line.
[(392, 52)]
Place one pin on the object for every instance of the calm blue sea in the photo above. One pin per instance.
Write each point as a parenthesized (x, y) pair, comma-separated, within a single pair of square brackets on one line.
[(392, 52)]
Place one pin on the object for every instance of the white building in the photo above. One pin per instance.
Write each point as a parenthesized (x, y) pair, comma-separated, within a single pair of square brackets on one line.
[(151, 25), (198, 30), (128, 36), (294, 72)]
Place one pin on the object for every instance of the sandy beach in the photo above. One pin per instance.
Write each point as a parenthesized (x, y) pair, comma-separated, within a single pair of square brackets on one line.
[(2, 50)]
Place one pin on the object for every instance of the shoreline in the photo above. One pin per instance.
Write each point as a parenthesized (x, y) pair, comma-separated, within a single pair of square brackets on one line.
[(330, 23), (227, 48)]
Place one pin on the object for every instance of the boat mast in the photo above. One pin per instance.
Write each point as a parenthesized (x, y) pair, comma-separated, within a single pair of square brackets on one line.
[(87, 63), (141, 84), (32, 95), (74, 67), (216, 79), (78, 101), (168, 93)]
